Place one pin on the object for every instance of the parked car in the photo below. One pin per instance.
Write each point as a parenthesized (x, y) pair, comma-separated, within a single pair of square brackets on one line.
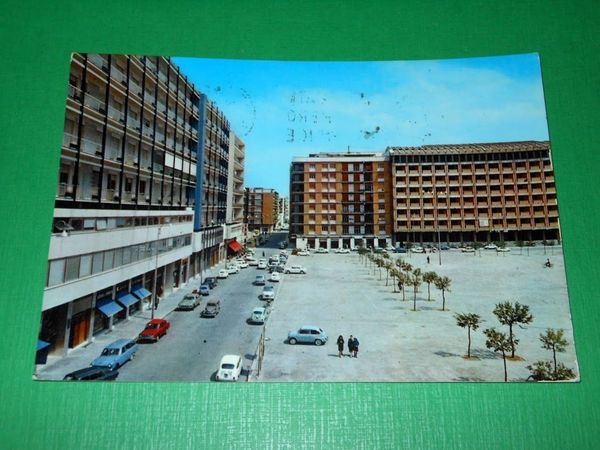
[(295, 269), (444, 247), (259, 280), (283, 253), (262, 265), (321, 250), (211, 282), (211, 309), (242, 264), (308, 334), (204, 289), (503, 249), (116, 354), (268, 293), (259, 315), (417, 249), (343, 250), (92, 374), (155, 329), (252, 262), (223, 273), (467, 249), (275, 276), (189, 302), (303, 253), (273, 259), (277, 268), (230, 368), (401, 250), (491, 247), (232, 269)]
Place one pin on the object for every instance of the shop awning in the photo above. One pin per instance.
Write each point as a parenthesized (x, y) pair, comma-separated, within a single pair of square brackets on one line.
[(126, 299), (141, 292), (235, 246), (108, 307), (41, 345)]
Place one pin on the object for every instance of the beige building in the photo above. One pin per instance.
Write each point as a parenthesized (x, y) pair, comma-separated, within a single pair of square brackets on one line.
[(261, 209)]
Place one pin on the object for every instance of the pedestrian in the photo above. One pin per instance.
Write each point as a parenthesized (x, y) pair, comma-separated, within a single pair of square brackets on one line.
[(399, 285), (263, 254), (340, 344), (428, 260), (355, 347), (350, 345)]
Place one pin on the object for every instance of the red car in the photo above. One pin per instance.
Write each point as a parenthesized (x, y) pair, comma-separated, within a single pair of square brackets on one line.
[(155, 329)]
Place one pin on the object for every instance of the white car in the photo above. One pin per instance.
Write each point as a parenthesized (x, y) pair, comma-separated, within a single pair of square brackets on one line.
[(262, 264), (259, 315), (417, 249), (223, 273), (268, 293), (275, 276), (252, 262), (295, 269), (467, 249), (321, 250), (230, 368), (503, 249), (343, 250), (303, 253), (232, 268), (242, 264), (283, 252), (491, 247)]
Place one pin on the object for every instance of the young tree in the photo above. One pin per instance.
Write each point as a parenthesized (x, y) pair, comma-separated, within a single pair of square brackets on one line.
[(380, 263), (555, 341), (429, 277), (415, 281), (388, 267), (403, 280), (443, 284), (471, 322), (509, 314), (394, 276), (498, 342)]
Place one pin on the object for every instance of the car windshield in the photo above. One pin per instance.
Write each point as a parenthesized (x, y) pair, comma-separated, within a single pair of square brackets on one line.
[(268, 288), (227, 366), (110, 352)]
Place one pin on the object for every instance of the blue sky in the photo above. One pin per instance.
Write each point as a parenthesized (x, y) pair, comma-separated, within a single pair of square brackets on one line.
[(283, 109)]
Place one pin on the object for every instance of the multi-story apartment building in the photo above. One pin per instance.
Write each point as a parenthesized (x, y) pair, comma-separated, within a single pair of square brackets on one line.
[(340, 200), (261, 209), (474, 192), (454, 193), (235, 231), (283, 218), (141, 197)]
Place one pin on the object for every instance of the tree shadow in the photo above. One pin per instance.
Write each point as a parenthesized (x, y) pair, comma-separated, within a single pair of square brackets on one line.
[(446, 354), (483, 353), (469, 379)]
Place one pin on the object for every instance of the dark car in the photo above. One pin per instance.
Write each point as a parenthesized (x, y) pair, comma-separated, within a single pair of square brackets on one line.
[(92, 374), (211, 309), (210, 281)]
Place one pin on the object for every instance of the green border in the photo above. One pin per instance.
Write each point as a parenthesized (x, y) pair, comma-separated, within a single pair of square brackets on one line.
[(37, 38)]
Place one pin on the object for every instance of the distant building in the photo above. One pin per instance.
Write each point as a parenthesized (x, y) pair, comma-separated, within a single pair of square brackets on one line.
[(261, 209), (341, 200), (283, 217), (235, 230)]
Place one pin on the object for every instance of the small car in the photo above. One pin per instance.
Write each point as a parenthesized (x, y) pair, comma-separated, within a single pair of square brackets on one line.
[(259, 280), (259, 315), (211, 282), (283, 253), (444, 247), (92, 374), (262, 265), (321, 250), (295, 269), (417, 249), (400, 250), (223, 274), (230, 368), (491, 247), (308, 334), (252, 262), (155, 329), (343, 250), (204, 289), (303, 253), (467, 249), (232, 269), (503, 249), (189, 302), (212, 308), (116, 354), (275, 276), (242, 264), (268, 293)]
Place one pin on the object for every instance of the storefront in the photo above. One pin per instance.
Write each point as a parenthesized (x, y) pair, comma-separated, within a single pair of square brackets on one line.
[(80, 323), (105, 311)]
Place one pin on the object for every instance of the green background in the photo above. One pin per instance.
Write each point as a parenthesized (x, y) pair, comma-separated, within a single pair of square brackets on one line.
[(36, 39)]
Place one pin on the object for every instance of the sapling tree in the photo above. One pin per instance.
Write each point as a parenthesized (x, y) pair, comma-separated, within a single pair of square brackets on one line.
[(498, 342), (429, 277), (443, 284), (469, 321), (512, 314)]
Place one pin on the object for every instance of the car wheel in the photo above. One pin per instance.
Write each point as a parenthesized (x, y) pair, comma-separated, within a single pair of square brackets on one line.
[(318, 342), (287, 271), (132, 356), (292, 341)]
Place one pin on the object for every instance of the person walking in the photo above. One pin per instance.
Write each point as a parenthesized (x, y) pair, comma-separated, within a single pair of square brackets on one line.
[(428, 260), (355, 347), (350, 345), (340, 344)]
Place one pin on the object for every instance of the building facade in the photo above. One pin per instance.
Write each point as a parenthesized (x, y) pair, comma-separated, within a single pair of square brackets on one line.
[(474, 193), (261, 207), (340, 200), (283, 218), (141, 200), (236, 229)]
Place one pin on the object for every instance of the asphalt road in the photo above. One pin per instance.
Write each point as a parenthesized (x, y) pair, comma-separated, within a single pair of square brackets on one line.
[(194, 346)]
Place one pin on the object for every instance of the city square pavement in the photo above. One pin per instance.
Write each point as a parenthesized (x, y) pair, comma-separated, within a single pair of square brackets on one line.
[(343, 296)]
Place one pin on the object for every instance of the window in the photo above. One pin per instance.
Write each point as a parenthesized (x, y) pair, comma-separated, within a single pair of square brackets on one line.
[(118, 261), (85, 266), (97, 263), (56, 272), (72, 268), (109, 259)]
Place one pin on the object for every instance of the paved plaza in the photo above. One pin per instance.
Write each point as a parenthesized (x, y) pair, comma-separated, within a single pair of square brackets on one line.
[(343, 296)]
